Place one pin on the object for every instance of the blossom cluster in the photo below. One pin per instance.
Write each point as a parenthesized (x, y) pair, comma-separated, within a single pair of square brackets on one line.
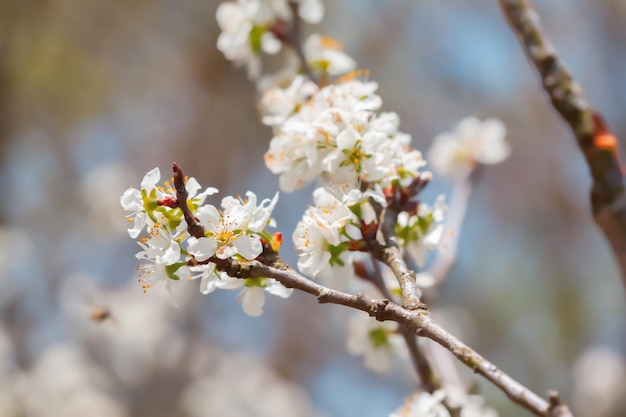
[(170, 254), (251, 28), (329, 129), (336, 135)]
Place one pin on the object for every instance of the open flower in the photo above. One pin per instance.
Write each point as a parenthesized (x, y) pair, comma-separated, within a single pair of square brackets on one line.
[(321, 232), (145, 205), (229, 233), (378, 342), (422, 232), (163, 261), (245, 33), (423, 404), (473, 142), (252, 294), (326, 55)]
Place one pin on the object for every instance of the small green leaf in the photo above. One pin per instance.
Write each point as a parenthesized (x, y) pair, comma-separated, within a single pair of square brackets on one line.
[(170, 270), (255, 38), (379, 338), (254, 282)]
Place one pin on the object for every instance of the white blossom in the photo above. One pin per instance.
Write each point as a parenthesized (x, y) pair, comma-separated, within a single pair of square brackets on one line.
[(246, 28), (142, 203), (474, 406), (321, 230), (473, 142), (325, 55), (423, 404), (336, 136), (245, 33), (279, 103), (422, 232), (162, 258), (252, 294), (379, 343)]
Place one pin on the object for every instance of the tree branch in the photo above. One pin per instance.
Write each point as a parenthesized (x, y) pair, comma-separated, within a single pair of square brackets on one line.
[(390, 253), (428, 377), (291, 36), (459, 201), (598, 145), (418, 321), (194, 228)]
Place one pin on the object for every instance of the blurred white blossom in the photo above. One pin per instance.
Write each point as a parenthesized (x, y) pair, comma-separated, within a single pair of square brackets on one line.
[(422, 232), (454, 154), (379, 343), (326, 56), (100, 190), (423, 404), (67, 384), (599, 377), (240, 386), (247, 28)]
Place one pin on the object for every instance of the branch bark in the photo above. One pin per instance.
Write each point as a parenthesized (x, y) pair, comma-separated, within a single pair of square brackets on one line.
[(390, 252), (417, 321), (429, 379), (598, 145)]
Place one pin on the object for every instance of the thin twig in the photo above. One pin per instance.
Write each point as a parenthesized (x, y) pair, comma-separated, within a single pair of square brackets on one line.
[(390, 252), (195, 229), (598, 145), (292, 37), (428, 377), (446, 257)]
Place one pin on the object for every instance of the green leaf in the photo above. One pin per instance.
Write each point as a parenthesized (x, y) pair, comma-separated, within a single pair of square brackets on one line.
[(170, 270), (255, 38), (379, 338), (254, 282)]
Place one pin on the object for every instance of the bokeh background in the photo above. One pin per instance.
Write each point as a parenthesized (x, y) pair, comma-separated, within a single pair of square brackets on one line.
[(94, 94)]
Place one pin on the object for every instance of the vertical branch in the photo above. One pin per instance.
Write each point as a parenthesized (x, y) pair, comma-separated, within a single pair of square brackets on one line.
[(429, 379), (598, 145), (446, 257), (293, 38), (390, 253), (195, 229)]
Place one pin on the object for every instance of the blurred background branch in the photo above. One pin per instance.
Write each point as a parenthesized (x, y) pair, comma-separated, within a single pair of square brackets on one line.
[(597, 143)]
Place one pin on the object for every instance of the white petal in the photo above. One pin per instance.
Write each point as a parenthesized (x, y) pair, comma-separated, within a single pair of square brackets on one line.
[(311, 11), (151, 179), (140, 222), (276, 288), (248, 247), (192, 187), (424, 279), (131, 200), (224, 282), (434, 237), (172, 254), (209, 278), (208, 216), (269, 43), (347, 139), (229, 15), (253, 301), (202, 248)]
